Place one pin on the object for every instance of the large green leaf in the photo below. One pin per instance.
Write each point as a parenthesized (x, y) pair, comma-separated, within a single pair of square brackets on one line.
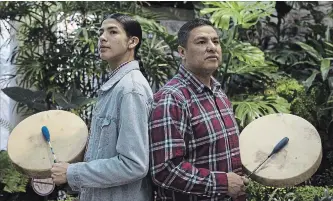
[(245, 14), (33, 99), (63, 101), (19, 94), (72, 99), (241, 67), (247, 53), (308, 82), (284, 56), (325, 66), (248, 110), (310, 50), (80, 101)]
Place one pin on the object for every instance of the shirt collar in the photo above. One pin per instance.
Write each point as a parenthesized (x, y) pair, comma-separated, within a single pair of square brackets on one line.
[(112, 73), (119, 73), (197, 84)]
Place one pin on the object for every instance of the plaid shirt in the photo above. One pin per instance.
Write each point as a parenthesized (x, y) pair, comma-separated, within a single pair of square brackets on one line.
[(193, 141)]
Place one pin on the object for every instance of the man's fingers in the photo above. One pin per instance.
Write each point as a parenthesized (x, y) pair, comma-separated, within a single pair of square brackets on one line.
[(243, 188), (246, 180), (57, 164), (241, 193), (54, 169)]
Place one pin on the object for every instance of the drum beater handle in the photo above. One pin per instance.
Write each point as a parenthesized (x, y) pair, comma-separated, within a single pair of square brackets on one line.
[(276, 149), (47, 137)]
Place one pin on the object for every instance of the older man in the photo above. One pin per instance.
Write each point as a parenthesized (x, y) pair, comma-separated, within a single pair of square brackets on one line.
[(193, 132)]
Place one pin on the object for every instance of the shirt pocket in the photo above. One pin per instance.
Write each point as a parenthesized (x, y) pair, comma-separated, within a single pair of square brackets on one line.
[(108, 132)]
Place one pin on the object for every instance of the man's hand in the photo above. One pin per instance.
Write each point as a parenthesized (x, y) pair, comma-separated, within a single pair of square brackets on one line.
[(236, 185), (59, 173), (246, 181)]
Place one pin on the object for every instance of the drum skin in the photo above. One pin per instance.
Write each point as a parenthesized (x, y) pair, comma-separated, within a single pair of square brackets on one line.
[(31, 154), (294, 164)]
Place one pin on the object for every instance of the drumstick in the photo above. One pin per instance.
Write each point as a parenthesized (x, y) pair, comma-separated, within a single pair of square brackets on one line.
[(276, 149), (46, 135)]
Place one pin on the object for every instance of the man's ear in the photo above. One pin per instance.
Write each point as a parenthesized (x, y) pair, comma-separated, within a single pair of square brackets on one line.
[(133, 42), (181, 52)]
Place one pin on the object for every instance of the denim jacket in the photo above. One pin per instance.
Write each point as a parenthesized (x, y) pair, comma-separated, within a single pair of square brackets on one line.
[(117, 158)]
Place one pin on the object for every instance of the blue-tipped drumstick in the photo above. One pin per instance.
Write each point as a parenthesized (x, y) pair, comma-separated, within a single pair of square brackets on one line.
[(276, 149), (280, 145), (47, 137)]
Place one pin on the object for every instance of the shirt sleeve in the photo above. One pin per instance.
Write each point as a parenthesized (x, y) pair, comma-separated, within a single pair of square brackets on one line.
[(168, 129), (132, 161)]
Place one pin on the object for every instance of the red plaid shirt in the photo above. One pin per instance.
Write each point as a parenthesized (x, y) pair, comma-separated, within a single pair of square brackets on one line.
[(193, 141)]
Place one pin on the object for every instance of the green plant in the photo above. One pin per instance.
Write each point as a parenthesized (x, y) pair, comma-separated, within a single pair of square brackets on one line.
[(326, 197), (287, 197), (13, 180), (316, 59), (37, 101), (157, 53), (289, 88), (254, 107), (309, 193), (245, 14), (244, 70), (258, 192)]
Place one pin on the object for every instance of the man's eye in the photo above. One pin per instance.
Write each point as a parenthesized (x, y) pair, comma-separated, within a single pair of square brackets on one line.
[(216, 42), (201, 42), (113, 32)]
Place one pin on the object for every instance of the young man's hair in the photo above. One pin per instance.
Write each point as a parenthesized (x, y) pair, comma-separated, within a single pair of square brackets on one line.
[(184, 31), (131, 27)]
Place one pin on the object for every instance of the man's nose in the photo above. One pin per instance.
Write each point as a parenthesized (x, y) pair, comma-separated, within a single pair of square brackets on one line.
[(102, 38), (211, 46)]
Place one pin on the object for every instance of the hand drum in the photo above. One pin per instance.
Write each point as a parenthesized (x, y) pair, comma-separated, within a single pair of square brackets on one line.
[(294, 164), (29, 151)]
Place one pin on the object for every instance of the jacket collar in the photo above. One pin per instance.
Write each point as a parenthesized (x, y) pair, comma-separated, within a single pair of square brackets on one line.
[(133, 65)]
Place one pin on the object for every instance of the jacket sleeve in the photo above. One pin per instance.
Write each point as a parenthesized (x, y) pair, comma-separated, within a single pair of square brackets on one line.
[(132, 161)]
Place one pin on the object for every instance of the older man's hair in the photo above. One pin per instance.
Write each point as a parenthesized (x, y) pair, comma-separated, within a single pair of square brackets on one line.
[(184, 31)]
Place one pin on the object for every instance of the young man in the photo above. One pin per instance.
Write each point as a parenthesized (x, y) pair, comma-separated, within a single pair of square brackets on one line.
[(193, 133), (117, 157)]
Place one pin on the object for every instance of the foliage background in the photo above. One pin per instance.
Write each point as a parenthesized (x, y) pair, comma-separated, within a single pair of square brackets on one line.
[(273, 61)]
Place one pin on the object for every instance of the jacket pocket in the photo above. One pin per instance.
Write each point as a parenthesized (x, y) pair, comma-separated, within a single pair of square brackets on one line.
[(108, 132)]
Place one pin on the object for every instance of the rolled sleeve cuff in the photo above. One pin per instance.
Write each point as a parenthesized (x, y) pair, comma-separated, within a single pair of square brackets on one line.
[(73, 177)]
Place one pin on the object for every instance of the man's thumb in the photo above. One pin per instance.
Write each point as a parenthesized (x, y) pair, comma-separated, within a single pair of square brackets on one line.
[(246, 180)]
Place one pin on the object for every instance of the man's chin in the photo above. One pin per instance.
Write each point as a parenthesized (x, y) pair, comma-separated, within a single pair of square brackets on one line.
[(105, 57), (211, 68)]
